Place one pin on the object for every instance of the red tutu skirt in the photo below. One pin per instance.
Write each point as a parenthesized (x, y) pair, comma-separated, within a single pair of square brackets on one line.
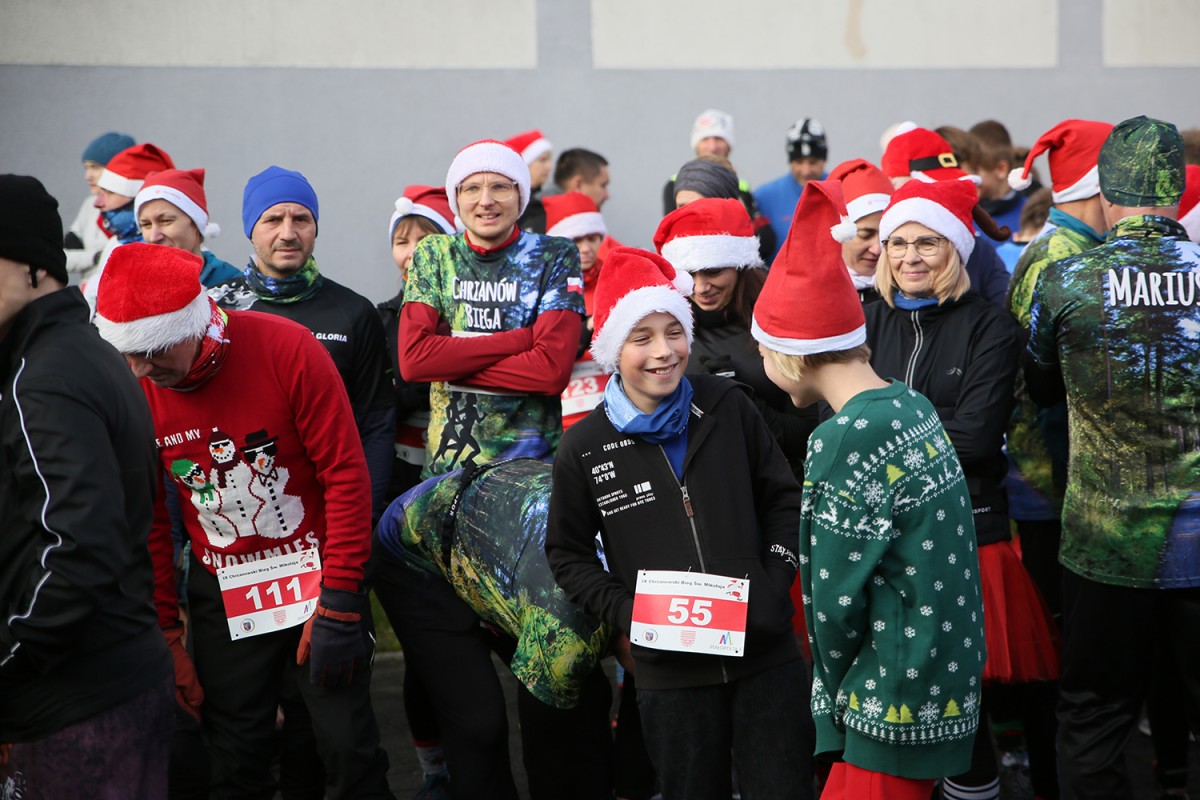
[(1023, 643)]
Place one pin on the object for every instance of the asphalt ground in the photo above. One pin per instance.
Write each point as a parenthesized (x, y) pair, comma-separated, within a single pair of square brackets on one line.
[(405, 775)]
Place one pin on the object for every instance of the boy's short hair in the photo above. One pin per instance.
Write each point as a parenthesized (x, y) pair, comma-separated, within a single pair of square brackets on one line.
[(577, 161), (1036, 210), (1191, 145), (995, 145), (793, 367)]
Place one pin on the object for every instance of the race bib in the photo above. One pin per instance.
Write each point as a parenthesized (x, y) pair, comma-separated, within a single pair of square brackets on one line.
[(586, 389), (271, 594), (690, 612)]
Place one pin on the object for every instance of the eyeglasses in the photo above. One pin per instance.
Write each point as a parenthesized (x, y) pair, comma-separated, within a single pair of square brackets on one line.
[(499, 192), (925, 245)]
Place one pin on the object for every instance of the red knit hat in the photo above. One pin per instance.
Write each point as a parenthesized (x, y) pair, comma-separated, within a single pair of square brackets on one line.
[(1189, 204), (1073, 148), (924, 155), (127, 170), (864, 186), (710, 233), (573, 214), (487, 155), (634, 284), (809, 267), (942, 206), (530, 144), (183, 189), (150, 298), (429, 202)]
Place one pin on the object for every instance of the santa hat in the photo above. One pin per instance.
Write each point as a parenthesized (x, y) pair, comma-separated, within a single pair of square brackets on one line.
[(183, 189), (572, 215), (634, 284), (487, 155), (710, 233), (712, 122), (864, 186), (1189, 204), (809, 266), (941, 206), (1072, 148), (924, 155), (150, 298), (127, 170), (530, 144), (429, 202)]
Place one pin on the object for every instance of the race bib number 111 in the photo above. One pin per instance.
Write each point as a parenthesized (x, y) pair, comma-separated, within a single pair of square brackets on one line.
[(271, 594), (690, 612)]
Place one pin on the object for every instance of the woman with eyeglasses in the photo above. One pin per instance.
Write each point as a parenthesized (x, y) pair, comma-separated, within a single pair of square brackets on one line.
[(962, 353)]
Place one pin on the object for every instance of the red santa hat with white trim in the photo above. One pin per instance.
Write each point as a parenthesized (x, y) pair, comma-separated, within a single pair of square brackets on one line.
[(150, 298), (942, 206), (1189, 204), (923, 155), (182, 188), (127, 170), (1073, 148), (530, 144), (634, 284), (809, 267), (573, 215), (864, 187), (710, 233), (429, 202), (487, 155)]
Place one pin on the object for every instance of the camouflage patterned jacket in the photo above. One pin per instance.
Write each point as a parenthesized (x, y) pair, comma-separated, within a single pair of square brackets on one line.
[(1119, 325)]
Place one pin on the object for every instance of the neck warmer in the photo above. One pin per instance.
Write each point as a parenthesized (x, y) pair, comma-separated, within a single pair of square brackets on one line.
[(483, 251), (861, 281), (213, 348), (122, 224), (304, 284), (913, 303), (1064, 220), (668, 420)]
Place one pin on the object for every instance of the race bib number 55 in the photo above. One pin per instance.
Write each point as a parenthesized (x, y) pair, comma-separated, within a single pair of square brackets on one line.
[(690, 612)]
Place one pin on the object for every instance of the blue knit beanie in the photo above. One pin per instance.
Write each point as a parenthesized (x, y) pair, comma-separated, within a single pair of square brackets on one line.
[(107, 145), (275, 185)]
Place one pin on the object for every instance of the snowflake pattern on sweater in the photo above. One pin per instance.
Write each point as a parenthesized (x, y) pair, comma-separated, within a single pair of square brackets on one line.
[(890, 579)]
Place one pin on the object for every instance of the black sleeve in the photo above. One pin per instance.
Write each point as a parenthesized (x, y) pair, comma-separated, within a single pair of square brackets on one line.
[(669, 196), (985, 399)]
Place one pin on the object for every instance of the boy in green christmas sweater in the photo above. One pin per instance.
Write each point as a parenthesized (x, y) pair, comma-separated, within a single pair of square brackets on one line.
[(888, 565)]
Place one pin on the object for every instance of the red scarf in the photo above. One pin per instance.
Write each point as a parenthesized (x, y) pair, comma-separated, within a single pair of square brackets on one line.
[(212, 351)]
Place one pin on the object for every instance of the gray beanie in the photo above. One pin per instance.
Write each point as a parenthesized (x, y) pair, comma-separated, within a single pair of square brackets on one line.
[(707, 179)]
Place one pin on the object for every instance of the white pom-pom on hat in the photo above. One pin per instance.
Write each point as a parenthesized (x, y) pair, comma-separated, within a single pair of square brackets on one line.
[(844, 231), (1019, 179)]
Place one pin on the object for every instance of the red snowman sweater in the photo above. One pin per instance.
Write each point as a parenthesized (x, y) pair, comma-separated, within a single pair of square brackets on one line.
[(266, 458)]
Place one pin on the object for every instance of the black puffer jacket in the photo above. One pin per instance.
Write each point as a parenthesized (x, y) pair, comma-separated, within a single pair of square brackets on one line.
[(78, 472), (963, 355)]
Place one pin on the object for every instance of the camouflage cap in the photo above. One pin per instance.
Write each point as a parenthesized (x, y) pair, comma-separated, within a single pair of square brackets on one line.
[(1141, 164)]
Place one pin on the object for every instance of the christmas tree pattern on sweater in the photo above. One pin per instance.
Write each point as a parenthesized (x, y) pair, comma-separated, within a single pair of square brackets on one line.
[(890, 576)]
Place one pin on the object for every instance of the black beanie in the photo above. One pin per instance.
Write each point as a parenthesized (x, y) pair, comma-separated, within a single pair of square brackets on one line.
[(31, 231)]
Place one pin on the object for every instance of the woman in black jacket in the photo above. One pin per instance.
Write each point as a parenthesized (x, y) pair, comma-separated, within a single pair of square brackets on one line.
[(962, 353), (713, 239)]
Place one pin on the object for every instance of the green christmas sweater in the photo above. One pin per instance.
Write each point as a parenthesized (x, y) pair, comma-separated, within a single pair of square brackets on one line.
[(890, 580), (1030, 426), (1122, 323), (477, 294)]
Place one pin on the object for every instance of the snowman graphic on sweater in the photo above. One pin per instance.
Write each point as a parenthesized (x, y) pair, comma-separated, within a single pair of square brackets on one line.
[(279, 514)]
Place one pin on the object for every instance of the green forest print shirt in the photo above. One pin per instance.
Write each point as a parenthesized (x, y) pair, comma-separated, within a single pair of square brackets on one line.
[(1122, 322), (1026, 439), (480, 294), (890, 577)]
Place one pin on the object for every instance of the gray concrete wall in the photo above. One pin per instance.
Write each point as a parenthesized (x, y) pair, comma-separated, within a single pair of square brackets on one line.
[(401, 85)]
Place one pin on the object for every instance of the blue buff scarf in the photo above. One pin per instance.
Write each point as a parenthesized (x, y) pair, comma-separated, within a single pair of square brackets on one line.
[(122, 224), (305, 283), (913, 303), (667, 426)]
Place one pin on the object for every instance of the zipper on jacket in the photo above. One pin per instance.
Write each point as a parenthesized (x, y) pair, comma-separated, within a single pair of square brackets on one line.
[(691, 517), (918, 342)]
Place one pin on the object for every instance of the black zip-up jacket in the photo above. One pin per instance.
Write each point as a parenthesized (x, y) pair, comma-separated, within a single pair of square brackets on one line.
[(963, 355), (78, 472), (736, 513)]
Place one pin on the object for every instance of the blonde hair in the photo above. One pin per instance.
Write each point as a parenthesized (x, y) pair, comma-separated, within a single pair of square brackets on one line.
[(794, 367), (951, 282)]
